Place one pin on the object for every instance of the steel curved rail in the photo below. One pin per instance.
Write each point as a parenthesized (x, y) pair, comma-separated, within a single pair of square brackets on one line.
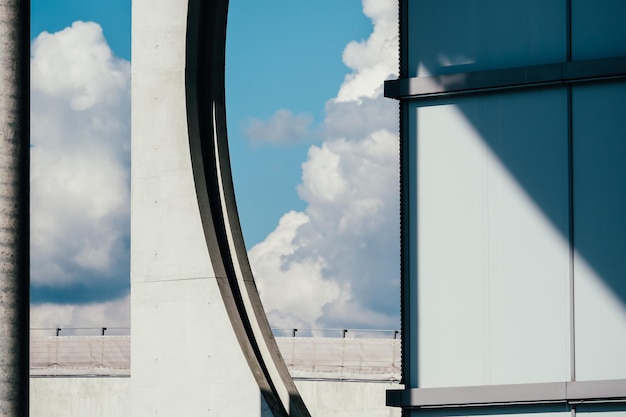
[(206, 119)]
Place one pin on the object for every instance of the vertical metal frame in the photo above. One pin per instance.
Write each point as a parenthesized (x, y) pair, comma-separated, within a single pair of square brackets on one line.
[(407, 287)]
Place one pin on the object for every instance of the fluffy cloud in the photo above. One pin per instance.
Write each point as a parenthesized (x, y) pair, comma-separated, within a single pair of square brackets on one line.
[(375, 59), (77, 64), (114, 315), (283, 127), (345, 119), (292, 278), (80, 140), (337, 263)]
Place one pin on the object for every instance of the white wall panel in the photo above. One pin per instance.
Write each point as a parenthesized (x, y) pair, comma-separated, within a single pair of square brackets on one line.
[(450, 249), (468, 35), (600, 230), (491, 217)]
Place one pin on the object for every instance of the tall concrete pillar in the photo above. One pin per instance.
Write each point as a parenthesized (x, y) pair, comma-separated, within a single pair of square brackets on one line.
[(14, 207), (201, 344)]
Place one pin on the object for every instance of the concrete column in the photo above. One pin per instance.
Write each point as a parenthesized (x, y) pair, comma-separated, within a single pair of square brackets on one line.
[(14, 206), (185, 355)]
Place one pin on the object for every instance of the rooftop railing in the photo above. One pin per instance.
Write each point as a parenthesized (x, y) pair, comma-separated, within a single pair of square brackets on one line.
[(345, 333)]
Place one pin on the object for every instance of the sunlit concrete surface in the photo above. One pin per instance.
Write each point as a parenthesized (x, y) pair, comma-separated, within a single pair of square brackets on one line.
[(110, 397), (341, 358), (186, 357), (307, 358), (90, 375), (80, 396)]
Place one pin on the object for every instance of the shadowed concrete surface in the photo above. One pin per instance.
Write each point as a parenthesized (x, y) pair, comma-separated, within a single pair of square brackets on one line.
[(14, 185)]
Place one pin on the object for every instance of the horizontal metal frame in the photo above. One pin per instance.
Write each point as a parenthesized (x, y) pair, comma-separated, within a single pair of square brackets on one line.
[(514, 394), (519, 77)]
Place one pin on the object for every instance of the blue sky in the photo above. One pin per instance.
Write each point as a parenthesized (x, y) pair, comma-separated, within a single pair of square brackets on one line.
[(281, 55), (113, 16), (313, 149)]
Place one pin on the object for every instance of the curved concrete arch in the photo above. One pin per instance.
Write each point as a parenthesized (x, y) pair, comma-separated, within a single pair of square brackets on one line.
[(208, 142)]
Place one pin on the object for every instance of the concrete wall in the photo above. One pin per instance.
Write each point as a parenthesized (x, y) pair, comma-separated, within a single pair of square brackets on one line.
[(90, 375), (14, 203), (186, 359), (347, 399), (111, 397), (80, 397)]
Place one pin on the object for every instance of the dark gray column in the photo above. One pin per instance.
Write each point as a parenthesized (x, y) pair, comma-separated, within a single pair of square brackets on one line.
[(14, 207)]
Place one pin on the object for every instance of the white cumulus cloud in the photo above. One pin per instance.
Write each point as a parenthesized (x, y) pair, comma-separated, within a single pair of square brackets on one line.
[(337, 263), (80, 140), (375, 59), (77, 64), (283, 127), (114, 315), (287, 307)]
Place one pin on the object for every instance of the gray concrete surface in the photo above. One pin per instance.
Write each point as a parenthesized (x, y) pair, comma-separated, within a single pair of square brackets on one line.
[(14, 218), (80, 397), (307, 358), (111, 397), (74, 376), (347, 398), (186, 358)]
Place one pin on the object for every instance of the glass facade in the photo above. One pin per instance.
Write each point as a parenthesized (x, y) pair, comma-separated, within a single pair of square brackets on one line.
[(492, 228), (599, 209), (513, 135), (447, 36)]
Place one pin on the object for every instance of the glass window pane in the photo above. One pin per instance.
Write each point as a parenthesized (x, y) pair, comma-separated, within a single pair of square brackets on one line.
[(600, 230), (598, 29), (492, 245), (467, 35)]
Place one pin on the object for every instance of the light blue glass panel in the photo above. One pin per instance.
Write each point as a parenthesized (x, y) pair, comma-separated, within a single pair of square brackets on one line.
[(602, 413), (598, 28), (467, 35), (615, 409), (490, 234), (519, 410), (600, 230)]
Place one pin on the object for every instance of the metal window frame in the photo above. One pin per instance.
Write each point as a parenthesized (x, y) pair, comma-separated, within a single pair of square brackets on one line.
[(563, 73), (573, 392)]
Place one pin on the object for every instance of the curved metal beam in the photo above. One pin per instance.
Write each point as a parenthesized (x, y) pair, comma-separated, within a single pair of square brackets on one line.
[(206, 118)]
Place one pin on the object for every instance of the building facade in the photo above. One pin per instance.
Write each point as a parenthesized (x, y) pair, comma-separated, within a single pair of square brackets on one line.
[(76, 376), (513, 200)]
